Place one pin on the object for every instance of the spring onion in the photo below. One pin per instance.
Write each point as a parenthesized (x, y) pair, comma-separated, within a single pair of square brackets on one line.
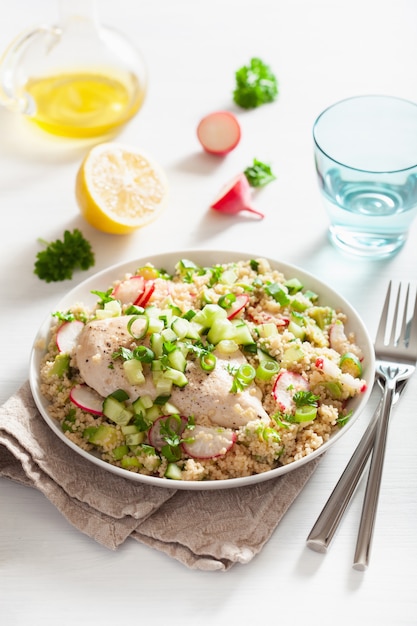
[(140, 321), (266, 370), (208, 361), (242, 377)]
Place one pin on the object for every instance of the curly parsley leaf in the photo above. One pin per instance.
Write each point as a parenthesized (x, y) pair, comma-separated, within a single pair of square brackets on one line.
[(61, 257), (259, 174), (256, 84)]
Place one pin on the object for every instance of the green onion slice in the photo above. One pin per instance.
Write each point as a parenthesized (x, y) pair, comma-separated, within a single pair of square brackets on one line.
[(208, 361), (227, 300), (267, 369), (143, 354), (246, 373), (305, 413), (141, 323)]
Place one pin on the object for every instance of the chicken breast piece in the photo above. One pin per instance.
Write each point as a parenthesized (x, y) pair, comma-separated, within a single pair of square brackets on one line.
[(207, 394)]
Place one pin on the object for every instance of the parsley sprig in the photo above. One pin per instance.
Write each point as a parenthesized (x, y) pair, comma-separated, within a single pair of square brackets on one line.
[(256, 84), (61, 257)]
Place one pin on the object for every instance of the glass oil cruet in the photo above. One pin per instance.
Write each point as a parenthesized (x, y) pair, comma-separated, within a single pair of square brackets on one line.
[(76, 79)]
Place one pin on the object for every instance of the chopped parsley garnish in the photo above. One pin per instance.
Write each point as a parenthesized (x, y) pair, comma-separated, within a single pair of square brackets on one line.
[(259, 174), (61, 257), (255, 85)]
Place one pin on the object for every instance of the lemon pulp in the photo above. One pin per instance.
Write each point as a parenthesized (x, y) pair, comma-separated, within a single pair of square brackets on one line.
[(84, 104), (120, 189)]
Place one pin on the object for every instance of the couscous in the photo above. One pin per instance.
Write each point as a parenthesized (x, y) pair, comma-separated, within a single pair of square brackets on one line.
[(210, 373)]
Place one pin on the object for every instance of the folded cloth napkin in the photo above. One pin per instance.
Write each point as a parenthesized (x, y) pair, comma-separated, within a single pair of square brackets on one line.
[(206, 530)]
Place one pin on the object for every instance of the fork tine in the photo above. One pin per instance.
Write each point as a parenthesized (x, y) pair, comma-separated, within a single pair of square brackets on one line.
[(393, 336), (380, 335), (402, 337), (412, 332)]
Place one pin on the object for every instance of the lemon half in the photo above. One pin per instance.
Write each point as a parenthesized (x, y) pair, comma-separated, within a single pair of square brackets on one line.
[(120, 189)]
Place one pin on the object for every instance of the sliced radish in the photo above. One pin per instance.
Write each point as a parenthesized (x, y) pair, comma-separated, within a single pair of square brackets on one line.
[(147, 293), (219, 132), (237, 306), (67, 335), (165, 422), (285, 387), (337, 337), (328, 367), (207, 443), (129, 290), (87, 399), (235, 197), (136, 290)]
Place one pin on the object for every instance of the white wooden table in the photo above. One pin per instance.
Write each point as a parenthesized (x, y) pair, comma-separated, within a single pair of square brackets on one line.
[(321, 52)]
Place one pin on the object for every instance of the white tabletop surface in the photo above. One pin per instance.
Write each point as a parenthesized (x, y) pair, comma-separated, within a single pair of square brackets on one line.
[(321, 51)]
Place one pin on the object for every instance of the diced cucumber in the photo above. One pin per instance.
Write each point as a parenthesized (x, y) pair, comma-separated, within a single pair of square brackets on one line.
[(169, 409), (173, 471), (227, 346), (321, 314), (177, 360), (119, 452), (112, 308), (293, 285), (142, 403), (222, 328), (134, 439), (60, 366), (157, 344), (103, 435), (180, 326), (242, 333), (153, 413), (208, 314), (127, 462), (297, 330), (169, 335), (176, 377), (291, 354), (129, 429), (134, 371), (268, 329), (116, 411)]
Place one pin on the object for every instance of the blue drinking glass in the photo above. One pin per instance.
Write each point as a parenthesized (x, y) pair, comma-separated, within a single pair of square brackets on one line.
[(366, 160)]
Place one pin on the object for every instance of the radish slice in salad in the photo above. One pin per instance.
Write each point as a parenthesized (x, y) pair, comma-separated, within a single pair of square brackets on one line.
[(286, 385), (236, 197), (161, 428), (67, 335), (203, 442), (87, 399), (219, 132), (134, 290), (237, 306)]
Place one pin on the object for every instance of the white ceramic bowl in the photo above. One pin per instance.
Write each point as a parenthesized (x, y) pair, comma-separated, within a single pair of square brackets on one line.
[(104, 279)]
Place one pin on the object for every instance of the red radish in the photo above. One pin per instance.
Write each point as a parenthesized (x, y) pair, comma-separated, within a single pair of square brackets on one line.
[(285, 387), (328, 367), (237, 306), (67, 335), (135, 290), (147, 293), (207, 443), (129, 290), (236, 197), (87, 399), (219, 132), (169, 423), (337, 337)]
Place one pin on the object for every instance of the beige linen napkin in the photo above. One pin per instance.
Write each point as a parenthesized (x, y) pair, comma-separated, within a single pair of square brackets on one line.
[(206, 530)]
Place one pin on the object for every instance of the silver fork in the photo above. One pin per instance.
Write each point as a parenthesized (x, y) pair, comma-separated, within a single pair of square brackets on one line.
[(326, 524), (396, 358)]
